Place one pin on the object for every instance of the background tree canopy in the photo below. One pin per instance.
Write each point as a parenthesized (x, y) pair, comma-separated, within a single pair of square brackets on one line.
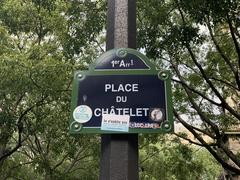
[(199, 41), (44, 41)]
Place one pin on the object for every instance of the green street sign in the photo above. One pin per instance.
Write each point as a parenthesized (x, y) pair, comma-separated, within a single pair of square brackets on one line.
[(122, 92)]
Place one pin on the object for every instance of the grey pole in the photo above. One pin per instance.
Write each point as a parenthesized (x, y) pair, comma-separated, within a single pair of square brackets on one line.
[(119, 152)]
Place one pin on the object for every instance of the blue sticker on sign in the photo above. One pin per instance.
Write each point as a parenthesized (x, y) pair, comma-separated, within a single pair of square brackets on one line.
[(112, 122)]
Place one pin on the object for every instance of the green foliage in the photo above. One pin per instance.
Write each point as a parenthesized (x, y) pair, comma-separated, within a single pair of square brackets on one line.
[(173, 160), (42, 42), (217, 9), (200, 42)]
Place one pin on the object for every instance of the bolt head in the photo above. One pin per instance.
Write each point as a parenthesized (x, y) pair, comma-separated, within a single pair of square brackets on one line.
[(166, 126), (164, 75), (79, 76), (76, 126)]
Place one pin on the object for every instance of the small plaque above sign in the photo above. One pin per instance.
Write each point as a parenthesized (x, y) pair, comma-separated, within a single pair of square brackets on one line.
[(121, 60)]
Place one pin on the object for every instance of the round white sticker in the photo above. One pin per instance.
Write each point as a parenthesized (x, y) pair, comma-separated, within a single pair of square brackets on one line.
[(82, 114), (156, 115)]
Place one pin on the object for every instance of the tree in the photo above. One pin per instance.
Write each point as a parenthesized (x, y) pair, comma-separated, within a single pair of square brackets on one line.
[(168, 158), (42, 43), (199, 41)]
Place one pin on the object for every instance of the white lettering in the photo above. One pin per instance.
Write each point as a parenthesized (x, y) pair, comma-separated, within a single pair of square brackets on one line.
[(121, 88), (97, 113), (145, 111), (107, 86), (121, 98), (135, 87), (138, 112), (122, 63), (128, 87)]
